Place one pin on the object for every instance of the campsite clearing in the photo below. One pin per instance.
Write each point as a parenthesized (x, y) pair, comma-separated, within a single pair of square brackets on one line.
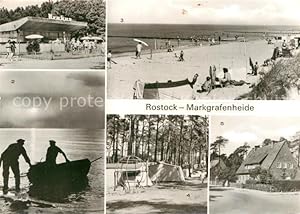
[(172, 197)]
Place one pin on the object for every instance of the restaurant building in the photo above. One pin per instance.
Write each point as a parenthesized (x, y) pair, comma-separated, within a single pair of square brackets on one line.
[(51, 28)]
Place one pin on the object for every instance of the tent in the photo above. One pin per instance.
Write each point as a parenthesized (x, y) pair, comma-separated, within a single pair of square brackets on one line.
[(163, 172), (133, 175)]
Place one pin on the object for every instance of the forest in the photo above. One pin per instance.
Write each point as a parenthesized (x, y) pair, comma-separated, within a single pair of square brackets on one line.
[(178, 140), (90, 11)]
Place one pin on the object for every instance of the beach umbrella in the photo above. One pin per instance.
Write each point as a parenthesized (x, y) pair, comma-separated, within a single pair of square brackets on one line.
[(85, 38), (34, 36), (144, 43)]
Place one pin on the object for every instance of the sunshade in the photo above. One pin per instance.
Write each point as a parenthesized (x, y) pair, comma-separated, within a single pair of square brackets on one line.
[(34, 36), (144, 43)]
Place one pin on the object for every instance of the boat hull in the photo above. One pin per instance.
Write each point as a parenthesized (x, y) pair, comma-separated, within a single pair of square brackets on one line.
[(64, 173)]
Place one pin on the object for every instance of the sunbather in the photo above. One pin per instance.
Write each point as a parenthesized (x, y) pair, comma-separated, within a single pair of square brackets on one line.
[(206, 86)]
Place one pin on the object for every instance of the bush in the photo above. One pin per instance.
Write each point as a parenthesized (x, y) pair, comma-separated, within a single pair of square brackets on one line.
[(286, 185), (251, 182)]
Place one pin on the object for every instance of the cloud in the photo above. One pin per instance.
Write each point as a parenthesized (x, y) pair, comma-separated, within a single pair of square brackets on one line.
[(90, 79), (240, 137)]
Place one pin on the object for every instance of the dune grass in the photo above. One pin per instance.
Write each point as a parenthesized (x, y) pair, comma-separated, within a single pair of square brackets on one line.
[(277, 83)]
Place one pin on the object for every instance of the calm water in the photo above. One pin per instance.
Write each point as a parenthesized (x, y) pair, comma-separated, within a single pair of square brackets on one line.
[(121, 34), (77, 144)]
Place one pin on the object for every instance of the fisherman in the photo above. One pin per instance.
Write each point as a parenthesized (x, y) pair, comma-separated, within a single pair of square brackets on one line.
[(52, 153), (10, 158)]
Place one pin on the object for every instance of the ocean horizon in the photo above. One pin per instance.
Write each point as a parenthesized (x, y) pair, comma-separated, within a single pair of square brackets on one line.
[(121, 34)]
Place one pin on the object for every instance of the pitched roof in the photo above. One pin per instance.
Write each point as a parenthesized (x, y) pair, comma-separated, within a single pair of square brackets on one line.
[(264, 156)]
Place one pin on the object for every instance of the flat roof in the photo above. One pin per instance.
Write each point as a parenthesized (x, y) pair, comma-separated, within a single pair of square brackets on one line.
[(42, 24)]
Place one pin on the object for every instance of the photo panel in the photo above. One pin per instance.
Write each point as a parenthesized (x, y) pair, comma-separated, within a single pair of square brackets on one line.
[(195, 50), (156, 164), (254, 164), (42, 34), (53, 121)]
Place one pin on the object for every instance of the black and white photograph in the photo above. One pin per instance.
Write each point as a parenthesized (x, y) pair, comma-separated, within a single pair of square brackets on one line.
[(156, 164), (52, 141), (52, 34), (254, 165), (203, 49)]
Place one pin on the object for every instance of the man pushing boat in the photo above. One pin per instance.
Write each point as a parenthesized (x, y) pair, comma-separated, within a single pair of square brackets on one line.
[(10, 158), (52, 153)]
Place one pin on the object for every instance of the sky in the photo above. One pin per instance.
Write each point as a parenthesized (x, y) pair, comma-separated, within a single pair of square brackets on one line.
[(253, 130), (49, 99), (250, 12), (12, 4)]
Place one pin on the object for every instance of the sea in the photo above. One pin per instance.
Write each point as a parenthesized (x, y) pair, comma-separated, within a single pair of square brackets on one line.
[(156, 35), (77, 144)]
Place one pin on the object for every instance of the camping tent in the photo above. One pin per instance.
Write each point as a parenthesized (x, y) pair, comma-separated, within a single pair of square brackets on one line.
[(133, 175), (163, 172)]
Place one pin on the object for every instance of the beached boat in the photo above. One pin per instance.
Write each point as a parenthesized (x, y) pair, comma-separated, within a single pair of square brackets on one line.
[(65, 173), (171, 84)]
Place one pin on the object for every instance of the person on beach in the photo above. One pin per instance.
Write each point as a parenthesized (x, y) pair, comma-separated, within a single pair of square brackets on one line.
[(256, 66), (181, 59), (10, 158), (284, 45), (178, 41), (225, 81), (206, 86), (109, 55), (139, 47), (52, 153)]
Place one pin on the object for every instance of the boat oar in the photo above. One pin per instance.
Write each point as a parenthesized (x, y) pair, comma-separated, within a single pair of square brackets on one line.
[(96, 159)]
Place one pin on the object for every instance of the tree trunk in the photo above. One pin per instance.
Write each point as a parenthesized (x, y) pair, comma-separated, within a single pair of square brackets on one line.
[(117, 144), (156, 138), (131, 138)]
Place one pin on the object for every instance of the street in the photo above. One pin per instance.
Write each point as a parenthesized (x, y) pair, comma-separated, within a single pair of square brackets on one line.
[(243, 201)]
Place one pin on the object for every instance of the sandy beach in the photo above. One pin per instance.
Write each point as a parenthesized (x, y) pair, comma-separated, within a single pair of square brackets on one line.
[(27, 63), (165, 66), (187, 197)]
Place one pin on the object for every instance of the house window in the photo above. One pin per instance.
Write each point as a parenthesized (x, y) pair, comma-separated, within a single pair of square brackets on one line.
[(285, 166), (279, 165)]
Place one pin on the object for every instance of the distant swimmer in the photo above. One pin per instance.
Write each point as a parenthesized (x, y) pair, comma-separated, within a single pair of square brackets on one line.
[(10, 158), (52, 153)]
